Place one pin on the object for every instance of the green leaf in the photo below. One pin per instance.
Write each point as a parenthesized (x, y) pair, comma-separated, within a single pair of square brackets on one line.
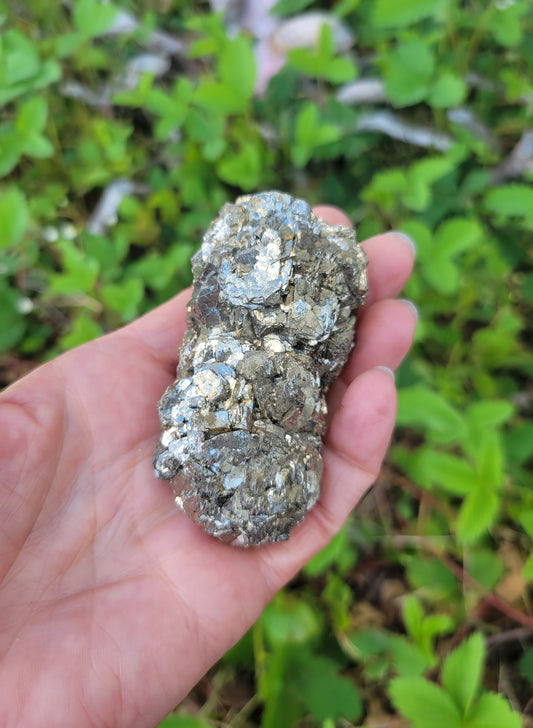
[(155, 271), (423, 630), (10, 148), (423, 703), (244, 168), (490, 412), (310, 133), (526, 521), (236, 67), (171, 108), (12, 322), (21, 69), (283, 707), (447, 91), (82, 329), (345, 7), (38, 146), (505, 23), (452, 238), (512, 200), (413, 616), (66, 43), (421, 407), (485, 566), (124, 298), (408, 660), (477, 513), (407, 72), (339, 598), (401, 13), (183, 721), (457, 235), (450, 472), (287, 620), (32, 115), (526, 665), (519, 443), (442, 275), (324, 693), (219, 98), (284, 8), (436, 624), (462, 672), (14, 217), (339, 552), (430, 577), (19, 60), (420, 178), (489, 459), (322, 61), (242, 653), (527, 571), (370, 642), (93, 17), (493, 710), (387, 187), (79, 272)]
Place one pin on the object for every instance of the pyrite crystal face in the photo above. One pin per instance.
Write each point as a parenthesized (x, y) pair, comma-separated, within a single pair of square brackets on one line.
[(270, 325)]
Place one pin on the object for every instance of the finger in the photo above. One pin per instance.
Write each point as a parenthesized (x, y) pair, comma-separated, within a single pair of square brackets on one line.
[(356, 444), (384, 335), (391, 256), (333, 215)]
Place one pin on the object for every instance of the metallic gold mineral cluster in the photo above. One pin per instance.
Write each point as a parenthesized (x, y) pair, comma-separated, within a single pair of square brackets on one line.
[(270, 325)]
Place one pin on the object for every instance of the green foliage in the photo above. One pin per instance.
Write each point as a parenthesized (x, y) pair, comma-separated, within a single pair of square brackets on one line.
[(401, 13), (310, 134), (456, 704), (13, 217), (339, 553), (452, 517), (92, 18), (297, 682), (323, 62), (513, 200), (407, 72), (290, 7), (424, 704), (407, 656), (21, 68), (183, 721), (461, 674)]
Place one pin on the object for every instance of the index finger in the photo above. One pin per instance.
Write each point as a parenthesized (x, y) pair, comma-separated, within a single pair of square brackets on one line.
[(391, 256)]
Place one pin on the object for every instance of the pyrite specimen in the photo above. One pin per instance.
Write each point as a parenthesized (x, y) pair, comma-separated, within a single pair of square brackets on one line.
[(270, 325)]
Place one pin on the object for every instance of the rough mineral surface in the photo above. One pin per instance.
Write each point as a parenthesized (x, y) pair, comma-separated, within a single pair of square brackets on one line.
[(270, 325)]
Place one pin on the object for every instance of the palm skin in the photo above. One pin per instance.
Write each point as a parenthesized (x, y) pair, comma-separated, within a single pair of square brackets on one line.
[(112, 603)]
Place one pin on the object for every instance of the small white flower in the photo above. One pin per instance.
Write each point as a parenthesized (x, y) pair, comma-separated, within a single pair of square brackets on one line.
[(24, 305), (50, 234), (68, 231)]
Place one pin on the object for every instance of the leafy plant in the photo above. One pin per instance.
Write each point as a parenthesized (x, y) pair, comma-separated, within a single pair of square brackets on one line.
[(457, 704)]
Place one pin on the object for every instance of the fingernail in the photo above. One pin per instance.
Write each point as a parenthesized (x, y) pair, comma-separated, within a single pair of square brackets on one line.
[(387, 371), (409, 240), (414, 308)]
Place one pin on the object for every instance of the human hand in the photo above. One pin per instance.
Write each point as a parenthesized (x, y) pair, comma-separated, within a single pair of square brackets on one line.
[(112, 603)]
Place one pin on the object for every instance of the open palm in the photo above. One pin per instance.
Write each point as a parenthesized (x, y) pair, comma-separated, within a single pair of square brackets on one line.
[(112, 603)]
